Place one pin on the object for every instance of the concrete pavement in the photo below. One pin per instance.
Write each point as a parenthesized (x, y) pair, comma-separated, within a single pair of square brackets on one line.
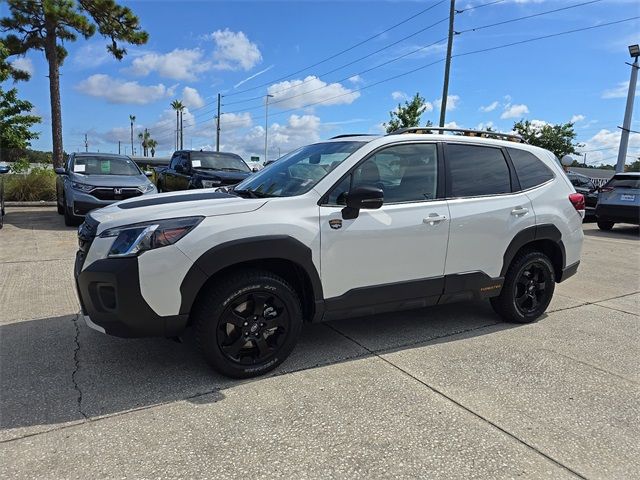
[(446, 392)]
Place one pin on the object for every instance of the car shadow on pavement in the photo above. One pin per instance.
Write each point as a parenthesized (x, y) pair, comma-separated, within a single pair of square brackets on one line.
[(57, 370), (39, 218), (629, 232)]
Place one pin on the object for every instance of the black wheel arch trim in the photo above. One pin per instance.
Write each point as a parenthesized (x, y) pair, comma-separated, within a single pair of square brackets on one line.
[(267, 247), (532, 234)]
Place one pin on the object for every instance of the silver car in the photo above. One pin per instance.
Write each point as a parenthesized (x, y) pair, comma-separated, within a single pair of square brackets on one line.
[(619, 201), (94, 180)]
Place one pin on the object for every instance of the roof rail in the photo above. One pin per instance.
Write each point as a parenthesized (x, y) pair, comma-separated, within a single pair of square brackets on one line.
[(465, 132), (344, 135)]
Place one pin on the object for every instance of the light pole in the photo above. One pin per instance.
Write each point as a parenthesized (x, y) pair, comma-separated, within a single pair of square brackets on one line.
[(634, 51), (266, 124)]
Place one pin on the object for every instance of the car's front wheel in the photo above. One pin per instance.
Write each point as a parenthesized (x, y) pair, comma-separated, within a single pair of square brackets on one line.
[(528, 288), (606, 226), (70, 220), (247, 324)]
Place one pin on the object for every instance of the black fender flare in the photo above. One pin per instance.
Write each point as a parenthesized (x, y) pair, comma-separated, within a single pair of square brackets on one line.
[(532, 234), (228, 254)]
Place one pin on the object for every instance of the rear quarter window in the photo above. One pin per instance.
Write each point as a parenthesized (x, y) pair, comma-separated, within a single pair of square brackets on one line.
[(624, 181), (530, 169)]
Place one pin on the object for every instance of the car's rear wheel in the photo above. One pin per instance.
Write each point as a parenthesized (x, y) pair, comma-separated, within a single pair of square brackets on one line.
[(247, 324), (606, 226), (528, 288)]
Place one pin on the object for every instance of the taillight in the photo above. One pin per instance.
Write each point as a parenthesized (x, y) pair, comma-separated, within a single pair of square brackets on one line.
[(577, 200)]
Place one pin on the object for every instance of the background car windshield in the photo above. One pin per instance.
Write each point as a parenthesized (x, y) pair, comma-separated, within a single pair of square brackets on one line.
[(218, 161), (298, 172), (105, 166), (624, 181)]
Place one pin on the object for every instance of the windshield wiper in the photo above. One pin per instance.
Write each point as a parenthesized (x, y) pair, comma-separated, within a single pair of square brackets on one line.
[(250, 194), (231, 169)]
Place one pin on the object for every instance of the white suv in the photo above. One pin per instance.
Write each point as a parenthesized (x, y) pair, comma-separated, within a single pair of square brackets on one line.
[(352, 226)]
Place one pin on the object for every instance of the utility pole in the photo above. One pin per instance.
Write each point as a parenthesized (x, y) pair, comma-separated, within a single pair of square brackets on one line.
[(86, 143), (119, 147), (447, 65), (218, 126), (584, 161), (634, 51), (266, 124), (181, 136)]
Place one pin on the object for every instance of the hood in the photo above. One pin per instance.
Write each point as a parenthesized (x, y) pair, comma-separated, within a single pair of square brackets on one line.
[(110, 180), (223, 175), (207, 203)]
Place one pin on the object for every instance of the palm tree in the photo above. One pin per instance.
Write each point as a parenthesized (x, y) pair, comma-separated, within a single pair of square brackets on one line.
[(144, 141), (132, 118), (178, 106), (152, 144)]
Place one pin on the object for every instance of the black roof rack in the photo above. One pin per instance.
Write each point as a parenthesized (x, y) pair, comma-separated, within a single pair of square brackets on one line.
[(465, 132), (344, 135)]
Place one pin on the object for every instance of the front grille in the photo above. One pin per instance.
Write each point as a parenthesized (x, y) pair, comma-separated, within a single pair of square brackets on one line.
[(116, 193)]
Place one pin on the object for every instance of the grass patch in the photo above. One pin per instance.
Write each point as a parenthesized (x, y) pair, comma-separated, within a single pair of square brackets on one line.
[(38, 184)]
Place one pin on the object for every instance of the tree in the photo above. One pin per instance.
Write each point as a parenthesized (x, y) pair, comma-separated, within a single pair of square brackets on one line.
[(407, 115), (152, 144), (132, 119), (178, 106), (46, 25), (558, 139), (144, 138), (634, 167), (15, 117)]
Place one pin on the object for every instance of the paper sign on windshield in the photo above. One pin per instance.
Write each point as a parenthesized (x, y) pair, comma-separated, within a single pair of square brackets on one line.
[(78, 168), (196, 163), (105, 167)]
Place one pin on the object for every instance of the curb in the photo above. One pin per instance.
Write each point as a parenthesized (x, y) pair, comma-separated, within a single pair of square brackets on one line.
[(30, 204)]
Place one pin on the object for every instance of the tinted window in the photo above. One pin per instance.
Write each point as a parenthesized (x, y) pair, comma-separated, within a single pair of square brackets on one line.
[(624, 181), (532, 172), (96, 165), (405, 173), (218, 161), (174, 161), (476, 170)]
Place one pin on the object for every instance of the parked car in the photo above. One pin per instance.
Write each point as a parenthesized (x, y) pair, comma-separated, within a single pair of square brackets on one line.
[(94, 180), (586, 187), (201, 169), (619, 201), (397, 222), (3, 169)]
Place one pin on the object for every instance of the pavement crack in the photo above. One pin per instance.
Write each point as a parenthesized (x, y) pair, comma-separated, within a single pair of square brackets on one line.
[(76, 367), (461, 405)]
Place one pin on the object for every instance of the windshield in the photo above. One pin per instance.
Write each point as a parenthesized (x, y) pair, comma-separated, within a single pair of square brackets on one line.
[(299, 171), (624, 181), (88, 165), (218, 161)]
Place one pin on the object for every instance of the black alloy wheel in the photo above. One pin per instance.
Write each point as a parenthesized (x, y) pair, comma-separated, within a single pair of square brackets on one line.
[(531, 287)]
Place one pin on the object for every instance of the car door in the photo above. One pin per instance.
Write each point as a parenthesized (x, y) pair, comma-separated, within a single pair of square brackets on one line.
[(487, 210), (168, 182), (397, 252), (183, 174)]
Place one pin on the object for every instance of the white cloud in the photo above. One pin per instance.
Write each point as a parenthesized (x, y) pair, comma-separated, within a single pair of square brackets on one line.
[(191, 98), (619, 91), (91, 55), (311, 90), (398, 95), (577, 118), (603, 147), (119, 91), (452, 102), (234, 51), (24, 64), (179, 64), (514, 111), (234, 121), (484, 125), (356, 79), (451, 125), (491, 107)]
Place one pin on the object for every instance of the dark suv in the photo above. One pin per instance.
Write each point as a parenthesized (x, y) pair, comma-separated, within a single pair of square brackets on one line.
[(199, 169)]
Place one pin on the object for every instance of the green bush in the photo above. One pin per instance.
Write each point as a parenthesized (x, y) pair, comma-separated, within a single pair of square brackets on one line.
[(39, 184)]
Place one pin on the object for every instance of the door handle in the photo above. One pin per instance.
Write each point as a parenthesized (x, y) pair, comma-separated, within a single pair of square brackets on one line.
[(519, 211), (433, 218)]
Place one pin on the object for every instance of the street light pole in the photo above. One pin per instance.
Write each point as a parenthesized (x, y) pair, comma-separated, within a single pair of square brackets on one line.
[(447, 65), (266, 124), (218, 126), (634, 50)]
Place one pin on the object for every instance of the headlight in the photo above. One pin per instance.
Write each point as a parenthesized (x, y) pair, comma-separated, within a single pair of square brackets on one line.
[(149, 187), (83, 187), (131, 240), (211, 183)]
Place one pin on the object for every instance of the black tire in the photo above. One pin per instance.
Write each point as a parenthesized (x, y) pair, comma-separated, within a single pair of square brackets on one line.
[(70, 220), (606, 226), (528, 288), (247, 324), (159, 187), (58, 204)]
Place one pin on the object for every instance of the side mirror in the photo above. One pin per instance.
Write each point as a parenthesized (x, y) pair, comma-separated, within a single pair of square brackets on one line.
[(255, 169), (59, 170), (369, 198), (179, 169), (148, 173), (4, 168)]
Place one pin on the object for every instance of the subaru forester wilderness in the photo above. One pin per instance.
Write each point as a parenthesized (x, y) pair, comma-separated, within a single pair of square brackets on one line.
[(352, 226)]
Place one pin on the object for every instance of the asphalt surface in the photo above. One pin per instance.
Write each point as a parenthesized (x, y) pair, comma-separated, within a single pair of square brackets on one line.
[(446, 392)]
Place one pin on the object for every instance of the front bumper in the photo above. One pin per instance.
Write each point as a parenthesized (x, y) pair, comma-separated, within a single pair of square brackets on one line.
[(618, 213), (109, 294), (83, 203)]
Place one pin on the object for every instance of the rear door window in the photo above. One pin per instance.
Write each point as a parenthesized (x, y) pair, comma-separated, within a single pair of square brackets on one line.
[(476, 170)]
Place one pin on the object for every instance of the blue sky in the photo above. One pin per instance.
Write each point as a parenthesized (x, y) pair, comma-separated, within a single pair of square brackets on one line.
[(197, 49)]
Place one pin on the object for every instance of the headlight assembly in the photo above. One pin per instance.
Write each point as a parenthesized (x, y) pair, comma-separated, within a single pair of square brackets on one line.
[(131, 240), (146, 188), (83, 187), (211, 183)]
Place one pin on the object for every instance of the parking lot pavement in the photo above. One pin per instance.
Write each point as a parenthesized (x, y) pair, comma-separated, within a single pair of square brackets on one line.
[(441, 393)]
